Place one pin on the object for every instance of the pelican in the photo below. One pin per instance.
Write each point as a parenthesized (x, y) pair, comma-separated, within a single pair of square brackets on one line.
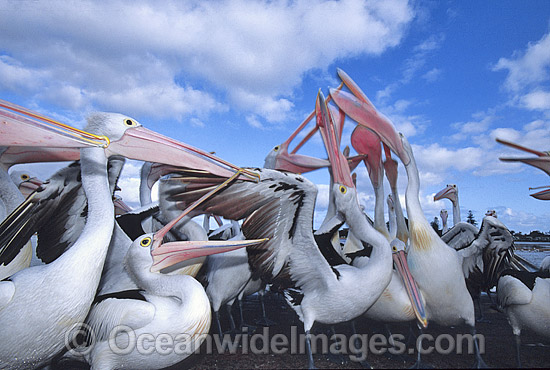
[(525, 297), (173, 306), (281, 207), (434, 265), (50, 311), (450, 192), (25, 181), (443, 214), (541, 161)]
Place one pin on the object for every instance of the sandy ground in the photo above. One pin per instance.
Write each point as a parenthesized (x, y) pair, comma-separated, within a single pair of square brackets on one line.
[(499, 344)]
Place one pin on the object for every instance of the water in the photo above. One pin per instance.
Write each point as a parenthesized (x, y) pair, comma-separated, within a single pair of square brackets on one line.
[(532, 251)]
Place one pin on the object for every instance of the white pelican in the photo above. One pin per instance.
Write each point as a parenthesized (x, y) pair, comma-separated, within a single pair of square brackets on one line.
[(281, 207), (25, 181), (450, 192), (35, 294), (392, 218), (443, 214), (173, 306), (541, 161), (525, 296), (434, 265)]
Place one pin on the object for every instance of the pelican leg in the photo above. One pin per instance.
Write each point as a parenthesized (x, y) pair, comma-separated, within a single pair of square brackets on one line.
[(264, 321), (251, 328), (480, 318), (338, 357), (518, 350), (231, 320), (419, 364), (217, 316), (479, 364), (311, 364), (357, 345)]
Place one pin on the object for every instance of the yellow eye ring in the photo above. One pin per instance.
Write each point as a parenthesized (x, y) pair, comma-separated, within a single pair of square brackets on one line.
[(145, 242), (394, 248), (343, 189), (25, 177), (276, 148), (129, 122)]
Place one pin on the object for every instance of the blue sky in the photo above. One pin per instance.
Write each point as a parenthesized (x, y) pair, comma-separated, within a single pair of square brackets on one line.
[(237, 77)]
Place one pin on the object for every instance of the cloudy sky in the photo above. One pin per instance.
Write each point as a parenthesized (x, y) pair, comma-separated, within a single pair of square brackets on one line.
[(236, 77)]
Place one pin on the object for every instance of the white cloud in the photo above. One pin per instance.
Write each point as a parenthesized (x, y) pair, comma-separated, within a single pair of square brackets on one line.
[(536, 100), (124, 54), (527, 68), (432, 75)]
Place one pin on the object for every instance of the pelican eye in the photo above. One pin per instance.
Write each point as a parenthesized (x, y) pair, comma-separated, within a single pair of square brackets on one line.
[(129, 122), (394, 248), (343, 189), (276, 148), (25, 177), (145, 242)]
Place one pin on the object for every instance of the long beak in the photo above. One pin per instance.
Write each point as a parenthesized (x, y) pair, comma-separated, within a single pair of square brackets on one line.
[(168, 254), (366, 115), (542, 163), (297, 163), (542, 195), (443, 193), (340, 168), (520, 147), (400, 262), (146, 145), (29, 186), (121, 207), (365, 141), (390, 167), (353, 87), (31, 154)]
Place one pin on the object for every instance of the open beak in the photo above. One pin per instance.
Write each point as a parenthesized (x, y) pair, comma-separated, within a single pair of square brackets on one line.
[(297, 163), (146, 145), (365, 114), (365, 141), (542, 163), (339, 165), (541, 195), (523, 148), (168, 254), (22, 127), (31, 154), (402, 267)]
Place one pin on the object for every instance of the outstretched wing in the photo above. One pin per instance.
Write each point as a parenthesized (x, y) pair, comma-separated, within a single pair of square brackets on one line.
[(56, 211), (460, 235), (279, 207)]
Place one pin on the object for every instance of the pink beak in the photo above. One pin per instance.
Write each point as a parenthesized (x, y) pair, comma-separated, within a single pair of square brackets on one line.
[(447, 192), (28, 187), (168, 254), (366, 115), (400, 262), (340, 168), (365, 141)]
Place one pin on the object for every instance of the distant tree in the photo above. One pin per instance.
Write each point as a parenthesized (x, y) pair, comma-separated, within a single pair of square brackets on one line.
[(470, 218), (435, 225)]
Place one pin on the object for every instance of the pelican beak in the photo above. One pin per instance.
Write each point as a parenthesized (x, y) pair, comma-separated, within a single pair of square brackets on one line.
[(367, 142), (402, 267), (298, 163), (22, 127), (365, 114), (523, 148), (542, 195), (444, 193), (121, 207), (168, 254), (339, 164), (146, 145), (29, 186), (353, 87)]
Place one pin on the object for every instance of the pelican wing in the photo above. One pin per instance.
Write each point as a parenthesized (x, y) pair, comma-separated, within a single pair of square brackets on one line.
[(273, 208), (460, 235), (111, 312)]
